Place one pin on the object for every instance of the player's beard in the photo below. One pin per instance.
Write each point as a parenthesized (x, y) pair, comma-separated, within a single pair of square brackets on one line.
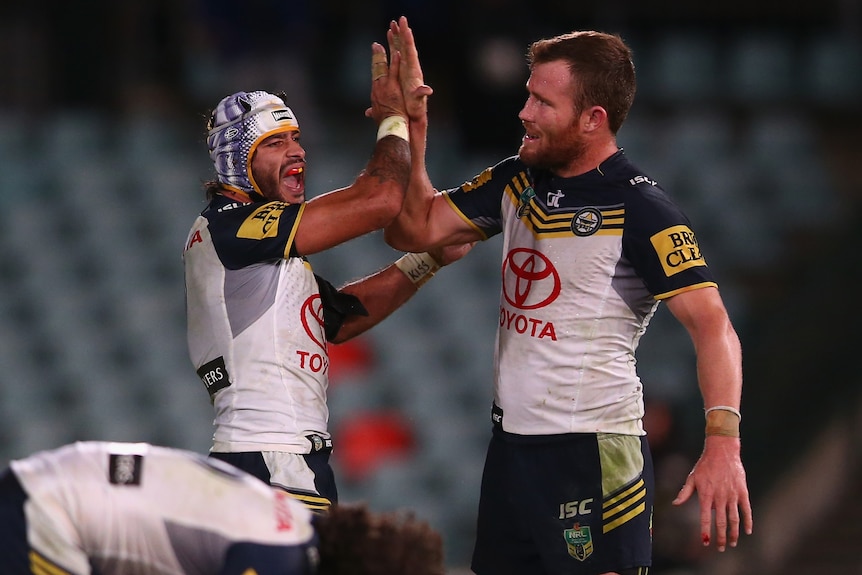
[(272, 190), (557, 152)]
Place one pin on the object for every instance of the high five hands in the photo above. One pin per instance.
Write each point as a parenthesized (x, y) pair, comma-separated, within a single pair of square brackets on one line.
[(413, 86), (386, 97)]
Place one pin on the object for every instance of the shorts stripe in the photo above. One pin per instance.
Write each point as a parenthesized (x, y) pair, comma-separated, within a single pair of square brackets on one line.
[(624, 506), (40, 565), (313, 502)]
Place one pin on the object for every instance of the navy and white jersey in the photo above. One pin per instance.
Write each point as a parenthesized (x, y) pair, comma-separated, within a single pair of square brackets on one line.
[(585, 262), (255, 327), (138, 509)]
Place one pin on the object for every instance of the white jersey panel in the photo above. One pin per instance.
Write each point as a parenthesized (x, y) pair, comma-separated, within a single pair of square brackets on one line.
[(256, 338), (565, 339), (585, 262), (124, 505)]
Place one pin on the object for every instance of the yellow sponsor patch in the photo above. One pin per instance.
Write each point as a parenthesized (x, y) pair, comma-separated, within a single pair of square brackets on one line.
[(263, 222), (677, 249)]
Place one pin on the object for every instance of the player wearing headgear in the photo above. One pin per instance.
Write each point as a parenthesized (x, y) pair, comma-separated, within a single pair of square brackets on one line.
[(259, 319), (101, 508)]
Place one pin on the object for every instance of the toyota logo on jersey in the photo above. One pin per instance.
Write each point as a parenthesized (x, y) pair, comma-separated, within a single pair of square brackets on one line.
[(530, 280), (312, 320)]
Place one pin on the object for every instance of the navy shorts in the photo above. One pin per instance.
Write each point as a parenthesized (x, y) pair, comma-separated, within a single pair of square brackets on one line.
[(317, 497), (14, 548), (573, 504)]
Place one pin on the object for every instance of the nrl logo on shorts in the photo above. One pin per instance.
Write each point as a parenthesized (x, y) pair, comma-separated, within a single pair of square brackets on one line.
[(579, 541)]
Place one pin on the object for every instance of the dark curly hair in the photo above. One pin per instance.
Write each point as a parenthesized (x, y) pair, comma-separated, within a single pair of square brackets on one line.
[(354, 541)]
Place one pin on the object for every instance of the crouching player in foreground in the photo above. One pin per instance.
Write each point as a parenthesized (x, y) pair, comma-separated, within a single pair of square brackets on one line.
[(100, 508)]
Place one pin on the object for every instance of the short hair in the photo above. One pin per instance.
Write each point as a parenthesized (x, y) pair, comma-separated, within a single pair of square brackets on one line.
[(354, 541), (601, 64)]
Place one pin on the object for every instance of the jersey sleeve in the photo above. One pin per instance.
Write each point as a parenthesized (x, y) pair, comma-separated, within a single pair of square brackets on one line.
[(479, 200), (246, 234), (659, 242)]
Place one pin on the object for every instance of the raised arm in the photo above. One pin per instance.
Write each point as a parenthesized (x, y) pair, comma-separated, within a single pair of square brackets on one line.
[(718, 476), (375, 197), (426, 219)]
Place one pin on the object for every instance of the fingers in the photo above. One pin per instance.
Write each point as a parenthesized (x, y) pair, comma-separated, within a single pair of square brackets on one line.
[(728, 512), (720, 527), (705, 520), (413, 85), (685, 492), (379, 64), (747, 516), (732, 525), (392, 35)]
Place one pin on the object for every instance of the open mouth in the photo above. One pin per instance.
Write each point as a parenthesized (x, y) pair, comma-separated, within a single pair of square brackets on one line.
[(294, 178)]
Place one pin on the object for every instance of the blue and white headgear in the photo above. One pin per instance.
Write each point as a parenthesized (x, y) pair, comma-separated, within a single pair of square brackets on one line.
[(237, 125)]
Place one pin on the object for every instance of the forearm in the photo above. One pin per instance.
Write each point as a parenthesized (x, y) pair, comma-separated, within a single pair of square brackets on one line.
[(409, 230), (369, 203), (719, 367), (385, 291), (387, 174)]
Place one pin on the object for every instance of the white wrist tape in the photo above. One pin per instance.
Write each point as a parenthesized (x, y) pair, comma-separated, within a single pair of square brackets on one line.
[(393, 126), (419, 268)]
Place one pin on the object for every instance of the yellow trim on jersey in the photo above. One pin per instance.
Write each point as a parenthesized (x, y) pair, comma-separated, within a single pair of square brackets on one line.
[(559, 224), (701, 285), (623, 506), (465, 218), (293, 231), (242, 193), (40, 565)]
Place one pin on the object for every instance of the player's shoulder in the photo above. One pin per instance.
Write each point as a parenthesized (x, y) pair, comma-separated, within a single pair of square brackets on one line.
[(500, 173), (221, 207), (642, 188)]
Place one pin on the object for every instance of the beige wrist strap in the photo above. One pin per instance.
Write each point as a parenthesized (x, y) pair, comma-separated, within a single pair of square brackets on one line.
[(723, 420), (419, 268)]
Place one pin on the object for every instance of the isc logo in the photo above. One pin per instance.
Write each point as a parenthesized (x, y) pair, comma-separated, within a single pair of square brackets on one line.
[(574, 508)]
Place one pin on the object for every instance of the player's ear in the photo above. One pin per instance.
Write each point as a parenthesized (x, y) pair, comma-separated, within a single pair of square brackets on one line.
[(594, 118)]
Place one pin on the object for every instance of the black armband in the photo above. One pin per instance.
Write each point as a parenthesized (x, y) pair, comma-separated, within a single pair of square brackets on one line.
[(336, 307)]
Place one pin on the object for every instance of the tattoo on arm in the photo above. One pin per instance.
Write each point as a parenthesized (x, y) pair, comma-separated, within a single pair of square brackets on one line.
[(390, 161)]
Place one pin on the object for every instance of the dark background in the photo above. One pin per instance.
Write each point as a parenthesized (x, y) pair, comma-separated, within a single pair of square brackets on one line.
[(747, 112)]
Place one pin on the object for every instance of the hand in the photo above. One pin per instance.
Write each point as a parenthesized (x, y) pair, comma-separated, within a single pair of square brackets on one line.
[(445, 255), (386, 97), (413, 85), (719, 479)]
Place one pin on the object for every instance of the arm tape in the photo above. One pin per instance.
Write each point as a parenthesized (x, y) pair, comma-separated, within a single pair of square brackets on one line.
[(723, 420), (336, 307), (729, 408), (393, 126), (419, 268)]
